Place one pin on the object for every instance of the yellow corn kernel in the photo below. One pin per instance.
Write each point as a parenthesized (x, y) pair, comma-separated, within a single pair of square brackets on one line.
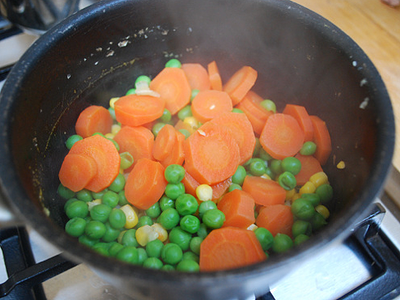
[(341, 165), (307, 188), (145, 234), (112, 101), (319, 178), (115, 128), (93, 203), (109, 135), (193, 123), (162, 233), (322, 210), (252, 227), (296, 196), (265, 176), (290, 194), (131, 216), (204, 192)]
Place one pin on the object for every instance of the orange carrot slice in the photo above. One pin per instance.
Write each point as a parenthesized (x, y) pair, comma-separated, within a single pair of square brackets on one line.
[(145, 184), (214, 76), (228, 248), (301, 115), (241, 130), (76, 171), (240, 83), (238, 208), (322, 139), (197, 76), (264, 191), (256, 114), (93, 119), (107, 159), (164, 142), (276, 218), (138, 141), (211, 153), (177, 154), (135, 110), (174, 88), (309, 166), (209, 104), (281, 136)]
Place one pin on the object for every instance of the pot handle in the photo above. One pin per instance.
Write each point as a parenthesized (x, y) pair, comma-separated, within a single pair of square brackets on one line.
[(7, 217)]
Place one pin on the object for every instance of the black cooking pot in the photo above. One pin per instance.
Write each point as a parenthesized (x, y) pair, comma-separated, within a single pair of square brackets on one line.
[(97, 53)]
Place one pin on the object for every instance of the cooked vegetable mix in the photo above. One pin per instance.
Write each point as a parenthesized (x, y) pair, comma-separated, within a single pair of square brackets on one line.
[(186, 172)]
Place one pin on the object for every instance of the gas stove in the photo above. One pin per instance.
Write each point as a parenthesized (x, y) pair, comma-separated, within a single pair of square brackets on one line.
[(365, 266)]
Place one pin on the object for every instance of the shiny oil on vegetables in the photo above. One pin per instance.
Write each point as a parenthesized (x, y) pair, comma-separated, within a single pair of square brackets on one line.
[(188, 173)]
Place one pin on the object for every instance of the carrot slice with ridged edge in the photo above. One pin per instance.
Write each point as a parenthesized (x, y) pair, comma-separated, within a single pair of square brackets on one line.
[(301, 115), (136, 110), (173, 86), (240, 83), (145, 183), (264, 191), (214, 76), (281, 136), (309, 166), (164, 142), (209, 104), (76, 171), (93, 119), (177, 154), (211, 154), (228, 248), (241, 130), (322, 139), (276, 218), (197, 76), (107, 159)]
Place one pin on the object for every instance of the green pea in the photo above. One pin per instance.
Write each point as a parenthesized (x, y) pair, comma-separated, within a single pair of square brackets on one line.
[(75, 227), (167, 267), (194, 94), (239, 175), (301, 227), (257, 167), (118, 184), (291, 164), (144, 220), (126, 160), (122, 199), (268, 105), (276, 166), (308, 148), (188, 265), (114, 249), (166, 203), (174, 173), (213, 218), (174, 190), (186, 204), (185, 112), (111, 233), (180, 237), (203, 231), (166, 116), (264, 155), (115, 144), (234, 186), (153, 263), (173, 63), (282, 243), (185, 132), (129, 238), (287, 181), (269, 172), (100, 212), (101, 248), (303, 209), (95, 229), (69, 202), (157, 127), (110, 199), (301, 238), (154, 211), (154, 248), (84, 195), (171, 253), (100, 194), (142, 256), (65, 192), (128, 254), (325, 193), (142, 78), (117, 218), (87, 241), (190, 223), (265, 237), (190, 256), (206, 205), (131, 92), (317, 221), (99, 133), (237, 110), (72, 140), (169, 218), (77, 208), (195, 243), (312, 197)]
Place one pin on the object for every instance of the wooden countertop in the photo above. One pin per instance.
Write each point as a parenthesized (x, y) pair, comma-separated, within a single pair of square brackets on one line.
[(375, 27)]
